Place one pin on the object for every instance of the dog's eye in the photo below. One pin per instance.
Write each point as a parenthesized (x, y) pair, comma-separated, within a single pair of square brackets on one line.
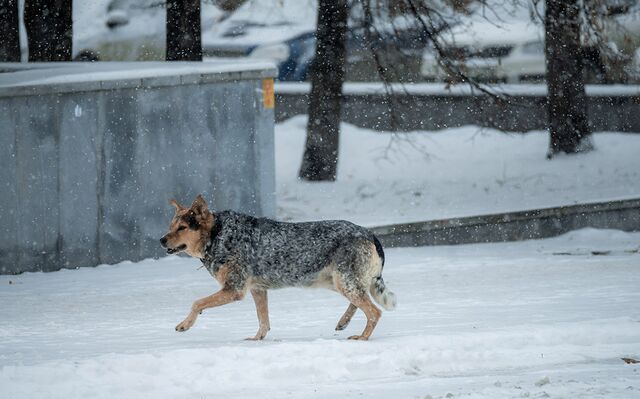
[(182, 228)]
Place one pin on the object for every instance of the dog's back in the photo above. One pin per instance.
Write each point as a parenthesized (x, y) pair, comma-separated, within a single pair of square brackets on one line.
[(281, 254)]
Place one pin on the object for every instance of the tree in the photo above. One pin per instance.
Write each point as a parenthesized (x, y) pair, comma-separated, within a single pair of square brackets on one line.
[(9, 32), (567, 100), (49, 26), (320, 159), (184, 42), (327, 73)]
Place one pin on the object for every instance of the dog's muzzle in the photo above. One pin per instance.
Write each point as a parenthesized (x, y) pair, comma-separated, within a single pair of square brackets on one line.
[(163, 242)]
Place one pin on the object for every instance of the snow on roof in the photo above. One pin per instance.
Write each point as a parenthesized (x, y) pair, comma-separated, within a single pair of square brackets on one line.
[(274, 12), (495, 23), (258, 35), (488, 33), (264, 21)]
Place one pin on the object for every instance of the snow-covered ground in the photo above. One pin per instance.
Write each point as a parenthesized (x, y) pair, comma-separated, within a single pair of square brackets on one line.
[(543, 318), (405, 177)]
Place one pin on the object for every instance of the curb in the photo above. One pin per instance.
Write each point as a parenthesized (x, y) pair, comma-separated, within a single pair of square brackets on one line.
[(513, 226)]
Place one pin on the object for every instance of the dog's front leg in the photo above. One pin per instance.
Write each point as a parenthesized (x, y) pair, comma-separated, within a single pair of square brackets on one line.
[(220, 298), (262, 308)]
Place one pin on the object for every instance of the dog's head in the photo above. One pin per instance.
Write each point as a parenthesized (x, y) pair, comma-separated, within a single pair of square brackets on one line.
[(189, 229)]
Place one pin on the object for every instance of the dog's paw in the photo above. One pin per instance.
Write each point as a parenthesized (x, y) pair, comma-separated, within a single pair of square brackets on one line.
[(259, 336), (359, 338), (341, 327), (185, 325)]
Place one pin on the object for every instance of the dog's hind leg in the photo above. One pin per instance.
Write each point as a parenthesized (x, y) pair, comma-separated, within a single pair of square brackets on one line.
[(346, 317), (220, 298), (356, 264), (358, 296), (363, 302), (262, 308)]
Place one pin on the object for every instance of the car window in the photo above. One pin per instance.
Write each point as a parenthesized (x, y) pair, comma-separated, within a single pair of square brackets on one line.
[(134, 4), (242, 28), (492, 52), (533, 48)]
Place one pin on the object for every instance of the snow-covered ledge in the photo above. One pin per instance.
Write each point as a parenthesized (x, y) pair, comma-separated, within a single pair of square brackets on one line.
[(92, 152), (443, 89), (67, 77), (434, 106)]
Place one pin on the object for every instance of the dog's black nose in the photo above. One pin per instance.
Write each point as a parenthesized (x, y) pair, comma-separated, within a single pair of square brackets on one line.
[(163, 242)]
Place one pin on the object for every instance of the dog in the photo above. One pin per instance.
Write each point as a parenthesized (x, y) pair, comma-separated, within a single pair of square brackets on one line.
[(246, 253)]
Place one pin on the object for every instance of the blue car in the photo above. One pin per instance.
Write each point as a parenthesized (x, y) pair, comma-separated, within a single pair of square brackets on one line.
[(291, 46), (301, 52)]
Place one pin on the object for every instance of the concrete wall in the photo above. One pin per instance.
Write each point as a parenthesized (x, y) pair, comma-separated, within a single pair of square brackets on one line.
[(91, 158), (433, 107)]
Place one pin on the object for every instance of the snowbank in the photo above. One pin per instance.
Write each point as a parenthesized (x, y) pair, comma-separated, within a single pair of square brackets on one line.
[(386, 178)]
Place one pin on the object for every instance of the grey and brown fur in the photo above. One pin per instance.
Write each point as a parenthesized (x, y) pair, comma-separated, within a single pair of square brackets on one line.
[(248, 254)]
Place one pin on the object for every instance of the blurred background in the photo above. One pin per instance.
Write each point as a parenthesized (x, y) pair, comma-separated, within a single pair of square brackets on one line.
[(501, 41)]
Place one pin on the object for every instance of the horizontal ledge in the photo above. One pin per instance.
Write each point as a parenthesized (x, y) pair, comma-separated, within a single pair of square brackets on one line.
[(459, 90), (27, 79), (503, 218)]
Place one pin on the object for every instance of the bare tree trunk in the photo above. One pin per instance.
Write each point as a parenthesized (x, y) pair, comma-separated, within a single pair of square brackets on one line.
[(567, 100), (184, 42), (49, 25), (9, 31), (320, 160)]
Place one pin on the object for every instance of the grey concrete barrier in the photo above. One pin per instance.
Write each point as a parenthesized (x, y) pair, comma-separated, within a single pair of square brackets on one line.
[(431, 106), (91, 153), (513, 226)]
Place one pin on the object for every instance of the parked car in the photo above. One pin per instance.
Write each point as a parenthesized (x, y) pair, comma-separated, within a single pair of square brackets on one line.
[(126, 30), (492, 53), (292, 46), (282, 31), (513, 51), (294, 56)]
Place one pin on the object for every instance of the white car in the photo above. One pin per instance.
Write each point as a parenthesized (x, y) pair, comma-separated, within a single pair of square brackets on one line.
[(492, 53), (510, 48)]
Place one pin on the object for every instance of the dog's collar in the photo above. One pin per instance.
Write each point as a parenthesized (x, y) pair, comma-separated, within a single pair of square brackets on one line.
[(208, 253)]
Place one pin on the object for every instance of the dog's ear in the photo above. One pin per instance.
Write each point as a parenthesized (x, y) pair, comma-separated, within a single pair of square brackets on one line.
[(200, 206), (176, 205)]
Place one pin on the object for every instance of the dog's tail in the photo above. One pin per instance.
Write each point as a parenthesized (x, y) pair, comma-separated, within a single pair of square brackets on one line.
[(382, 294), (378, 289)]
